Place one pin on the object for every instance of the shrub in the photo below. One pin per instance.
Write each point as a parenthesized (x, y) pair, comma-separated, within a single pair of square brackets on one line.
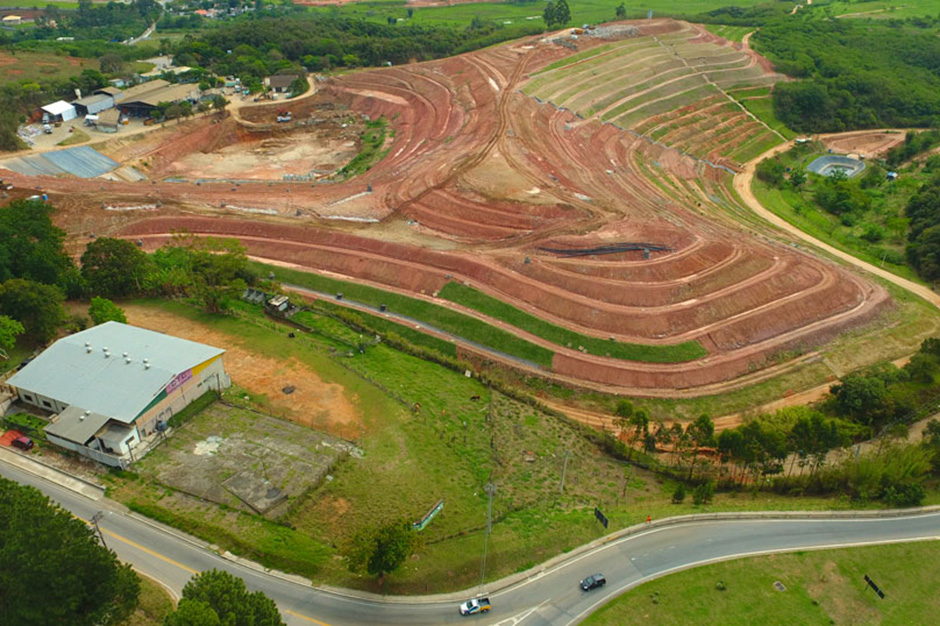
[(678, 496), (704, 493)]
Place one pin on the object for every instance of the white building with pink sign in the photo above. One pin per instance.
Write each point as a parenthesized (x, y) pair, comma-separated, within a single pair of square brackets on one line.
[(108, 388)]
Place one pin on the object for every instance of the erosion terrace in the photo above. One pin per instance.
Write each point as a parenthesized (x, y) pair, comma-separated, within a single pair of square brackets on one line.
[(497, 157)]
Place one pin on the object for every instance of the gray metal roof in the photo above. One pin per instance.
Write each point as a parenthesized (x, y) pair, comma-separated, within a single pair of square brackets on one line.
[(92, 99), (82, 161), (75, 371), (71, 427)]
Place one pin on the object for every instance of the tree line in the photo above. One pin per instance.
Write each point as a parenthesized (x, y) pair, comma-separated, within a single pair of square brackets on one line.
[(36, 274)]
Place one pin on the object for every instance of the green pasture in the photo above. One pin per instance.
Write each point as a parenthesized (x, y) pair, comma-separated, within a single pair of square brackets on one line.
[(582, 12), (36, 5), (731, 33), (24, 66), (492, 307), (818, 587), (900, 9)]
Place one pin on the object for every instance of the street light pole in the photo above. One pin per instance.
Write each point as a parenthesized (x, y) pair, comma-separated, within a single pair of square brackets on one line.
[(490, 491)]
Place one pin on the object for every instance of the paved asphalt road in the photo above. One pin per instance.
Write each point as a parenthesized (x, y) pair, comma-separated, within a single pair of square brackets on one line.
[(545, 597)]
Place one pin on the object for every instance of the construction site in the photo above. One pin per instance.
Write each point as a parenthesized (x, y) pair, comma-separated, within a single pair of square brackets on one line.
[(585, 182)]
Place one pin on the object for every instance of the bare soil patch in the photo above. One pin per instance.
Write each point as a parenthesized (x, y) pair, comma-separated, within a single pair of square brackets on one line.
[(313, 402)]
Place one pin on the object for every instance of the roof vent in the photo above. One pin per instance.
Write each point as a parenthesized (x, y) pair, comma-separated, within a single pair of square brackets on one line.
[(124, 354), (127, 360), (106, 353), (87, 344), (88, 349), (82, 417)]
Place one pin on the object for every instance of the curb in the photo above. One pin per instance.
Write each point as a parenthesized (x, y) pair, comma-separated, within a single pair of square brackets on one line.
[(25, 462), (507, 583)]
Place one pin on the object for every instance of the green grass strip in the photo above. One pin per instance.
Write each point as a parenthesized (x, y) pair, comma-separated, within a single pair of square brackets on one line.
[(488, 305), (449, 321)]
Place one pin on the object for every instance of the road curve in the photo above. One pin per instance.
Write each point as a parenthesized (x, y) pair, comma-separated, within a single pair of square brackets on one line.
[(742, 185), (545, 595)]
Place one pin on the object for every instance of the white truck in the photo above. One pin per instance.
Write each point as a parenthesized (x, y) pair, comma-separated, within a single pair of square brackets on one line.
[(474, 606)]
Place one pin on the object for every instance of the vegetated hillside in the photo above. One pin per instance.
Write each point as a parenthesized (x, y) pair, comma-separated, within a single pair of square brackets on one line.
[(853, 75), (323, 43)]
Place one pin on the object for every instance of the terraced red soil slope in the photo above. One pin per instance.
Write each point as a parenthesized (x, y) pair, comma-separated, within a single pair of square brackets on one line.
[(480, 177)]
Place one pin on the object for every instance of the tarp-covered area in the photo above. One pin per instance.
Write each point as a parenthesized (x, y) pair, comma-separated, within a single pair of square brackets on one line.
[(83, 162)]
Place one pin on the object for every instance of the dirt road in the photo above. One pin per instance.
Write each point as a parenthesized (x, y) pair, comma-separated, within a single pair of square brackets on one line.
[(742, 185)]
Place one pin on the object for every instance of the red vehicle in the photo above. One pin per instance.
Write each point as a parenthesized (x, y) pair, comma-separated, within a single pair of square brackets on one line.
[(23, 443)]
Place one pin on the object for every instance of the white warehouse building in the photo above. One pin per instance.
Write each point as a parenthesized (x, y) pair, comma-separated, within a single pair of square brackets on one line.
[(112, 385)]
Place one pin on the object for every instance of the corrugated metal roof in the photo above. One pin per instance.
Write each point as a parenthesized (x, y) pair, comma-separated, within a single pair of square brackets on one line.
[(57, 108), (69, 373), (90, 100), (111, 116), (171, 93), (71, 427), (81, 161), (111, 91)]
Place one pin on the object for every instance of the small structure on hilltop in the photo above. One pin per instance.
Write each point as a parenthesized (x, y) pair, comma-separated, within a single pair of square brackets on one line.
[(110, 387), (280, 83)]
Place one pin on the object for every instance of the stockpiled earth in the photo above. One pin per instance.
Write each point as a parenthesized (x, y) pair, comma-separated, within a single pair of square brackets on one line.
[(499, 163)]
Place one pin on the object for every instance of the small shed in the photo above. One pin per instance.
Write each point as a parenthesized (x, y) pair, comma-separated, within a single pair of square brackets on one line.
[(95, 103), (108, 121), (60, 111), (12, 20), (280, 83)]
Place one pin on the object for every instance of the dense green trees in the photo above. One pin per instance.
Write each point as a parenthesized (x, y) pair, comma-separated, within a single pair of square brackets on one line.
[(31, 245), (923, 249), (854, 75), (556, 13), (114, 268), (53, 571), (217, 597), (36, 306), (10, 329)]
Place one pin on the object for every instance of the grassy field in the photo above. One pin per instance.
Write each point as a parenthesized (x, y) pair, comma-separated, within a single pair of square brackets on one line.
[(881, 10), (449, 449), (440, 317), (731, 33), (583, 11), (36, 65), (492, 307), (821, 587), (37, 4), (763, 109), (78, 136)]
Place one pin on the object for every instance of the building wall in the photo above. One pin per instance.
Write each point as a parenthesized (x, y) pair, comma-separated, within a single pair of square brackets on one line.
[(101, 457), (97, 107), (205, 377), (43, 402)]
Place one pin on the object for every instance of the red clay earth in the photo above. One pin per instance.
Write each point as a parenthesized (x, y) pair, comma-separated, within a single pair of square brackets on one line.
[(477, 179)]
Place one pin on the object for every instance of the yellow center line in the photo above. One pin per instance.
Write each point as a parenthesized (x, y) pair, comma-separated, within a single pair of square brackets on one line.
[(302, 616), (149, 551)]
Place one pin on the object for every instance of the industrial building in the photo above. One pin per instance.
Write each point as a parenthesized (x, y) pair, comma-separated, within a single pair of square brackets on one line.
[(108, 388)]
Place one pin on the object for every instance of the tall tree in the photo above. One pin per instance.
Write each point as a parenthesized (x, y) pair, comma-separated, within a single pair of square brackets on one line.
[(381, 550), (621, 12), (217, 597), (562, 13), (114, 268), (701, 433), (36, 306), (31, 245), (53, 571)]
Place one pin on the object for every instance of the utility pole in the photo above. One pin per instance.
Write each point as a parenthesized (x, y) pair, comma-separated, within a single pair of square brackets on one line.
[(561, 487), (490, 491), (94, 520)]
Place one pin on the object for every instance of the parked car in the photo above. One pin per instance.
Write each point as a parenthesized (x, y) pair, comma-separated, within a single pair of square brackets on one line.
[(474, 606), (593, 582), (46, 128), (23, 443)]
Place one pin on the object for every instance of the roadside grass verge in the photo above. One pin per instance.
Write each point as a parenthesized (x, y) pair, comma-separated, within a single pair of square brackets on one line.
[(452, 322), (153, 604), (821, 587), (492, 307)]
